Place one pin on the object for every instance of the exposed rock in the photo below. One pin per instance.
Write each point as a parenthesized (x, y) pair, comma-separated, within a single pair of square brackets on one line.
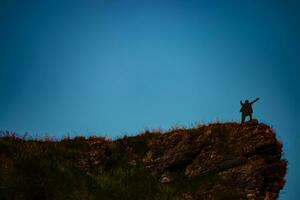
[(234, 161), (165, 179), (253, 122), (228, 161)]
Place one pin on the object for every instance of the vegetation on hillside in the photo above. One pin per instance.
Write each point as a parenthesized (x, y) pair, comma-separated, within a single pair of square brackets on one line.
[(152, 165)]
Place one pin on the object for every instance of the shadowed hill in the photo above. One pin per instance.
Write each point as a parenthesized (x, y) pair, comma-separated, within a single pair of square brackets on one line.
[(219, 161)]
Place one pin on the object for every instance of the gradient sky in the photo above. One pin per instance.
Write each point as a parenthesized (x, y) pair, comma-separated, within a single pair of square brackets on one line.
[(120, 67)]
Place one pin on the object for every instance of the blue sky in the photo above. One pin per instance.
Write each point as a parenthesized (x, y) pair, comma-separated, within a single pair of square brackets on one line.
[(120, 67)]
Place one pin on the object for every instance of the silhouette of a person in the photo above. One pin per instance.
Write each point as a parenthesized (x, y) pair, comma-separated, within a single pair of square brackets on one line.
[(246, 109)]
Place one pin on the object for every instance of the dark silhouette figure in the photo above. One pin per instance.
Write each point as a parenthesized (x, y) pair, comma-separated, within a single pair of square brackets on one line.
[(246, 109)]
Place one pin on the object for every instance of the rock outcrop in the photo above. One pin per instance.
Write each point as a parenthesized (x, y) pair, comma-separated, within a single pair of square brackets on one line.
[(222, 161), (225, 161)]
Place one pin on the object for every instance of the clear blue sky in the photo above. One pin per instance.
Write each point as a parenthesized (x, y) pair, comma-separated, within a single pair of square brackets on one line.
[(119, 67)]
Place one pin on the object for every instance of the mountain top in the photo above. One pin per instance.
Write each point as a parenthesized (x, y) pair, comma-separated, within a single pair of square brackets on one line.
[(211, 162)]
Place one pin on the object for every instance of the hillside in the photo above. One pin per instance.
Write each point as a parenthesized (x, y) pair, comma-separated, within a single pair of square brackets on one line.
[(220, 161)]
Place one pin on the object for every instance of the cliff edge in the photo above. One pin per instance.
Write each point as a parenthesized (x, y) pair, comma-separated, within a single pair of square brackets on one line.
[(220, 161)]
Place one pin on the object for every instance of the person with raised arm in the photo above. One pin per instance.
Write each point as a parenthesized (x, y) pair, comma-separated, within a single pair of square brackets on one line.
[(246, 109)]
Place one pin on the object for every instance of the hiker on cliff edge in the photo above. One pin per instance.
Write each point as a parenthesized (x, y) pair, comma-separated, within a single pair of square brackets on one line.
[(246, 109)]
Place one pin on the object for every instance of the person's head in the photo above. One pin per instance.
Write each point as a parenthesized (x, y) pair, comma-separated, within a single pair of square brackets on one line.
[(247, 101)]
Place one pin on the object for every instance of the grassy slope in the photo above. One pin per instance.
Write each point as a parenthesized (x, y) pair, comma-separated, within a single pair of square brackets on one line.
[(56, 170)]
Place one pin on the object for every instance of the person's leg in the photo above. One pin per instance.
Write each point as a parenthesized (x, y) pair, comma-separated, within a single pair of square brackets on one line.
[(243, 118), (250, 116)]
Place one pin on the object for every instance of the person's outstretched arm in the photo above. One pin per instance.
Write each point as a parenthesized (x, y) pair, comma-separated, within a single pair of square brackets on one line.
[(241, 103), (255, 100)]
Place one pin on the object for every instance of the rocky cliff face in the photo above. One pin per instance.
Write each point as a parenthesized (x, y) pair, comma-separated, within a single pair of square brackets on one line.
[(218, 161)]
